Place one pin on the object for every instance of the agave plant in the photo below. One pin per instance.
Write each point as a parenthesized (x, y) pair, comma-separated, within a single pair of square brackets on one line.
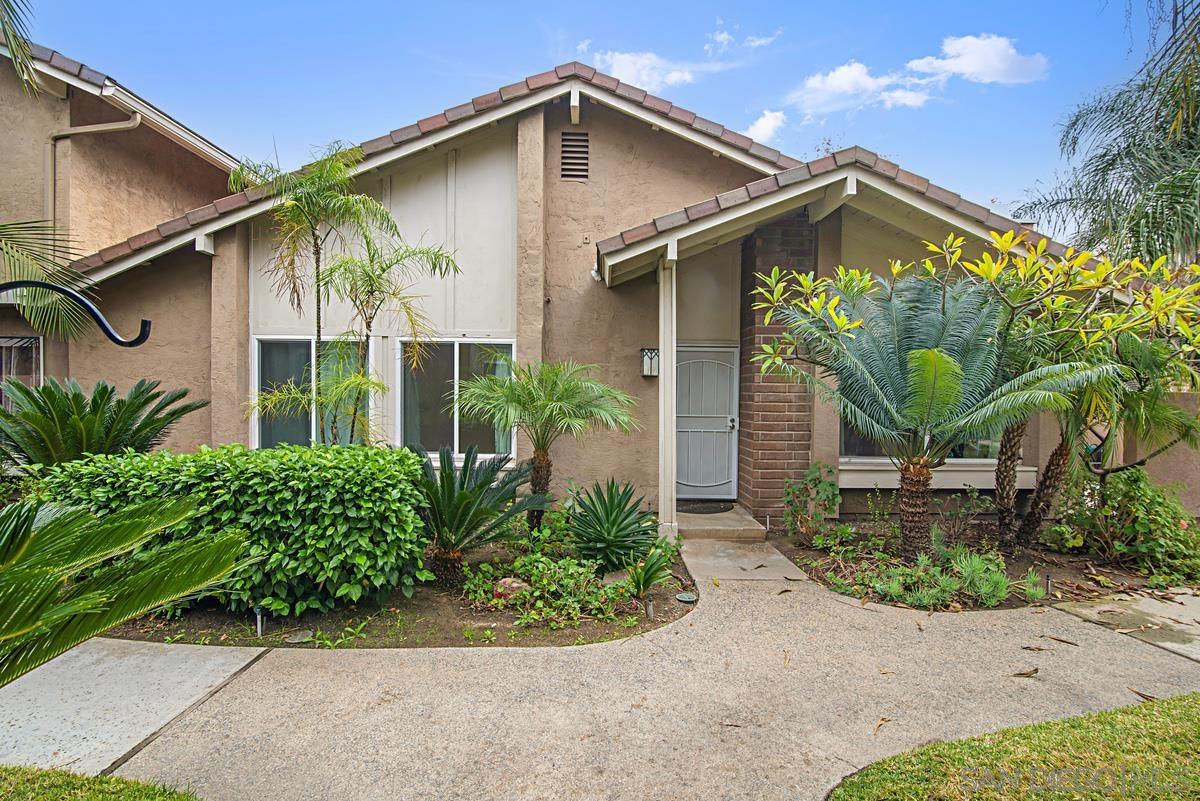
[(54, 423), (469, 506), (610, 527), (66, 576)]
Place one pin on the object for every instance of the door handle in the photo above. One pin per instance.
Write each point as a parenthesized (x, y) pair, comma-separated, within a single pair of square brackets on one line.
[(732, 423)]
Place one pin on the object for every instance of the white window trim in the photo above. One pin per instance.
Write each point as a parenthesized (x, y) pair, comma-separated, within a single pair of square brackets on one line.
[(862, 472), (41, 351), (255, 340), (398, 432)]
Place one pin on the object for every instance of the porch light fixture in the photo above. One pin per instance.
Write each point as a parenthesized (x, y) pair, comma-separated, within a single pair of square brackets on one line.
[(649, 362)]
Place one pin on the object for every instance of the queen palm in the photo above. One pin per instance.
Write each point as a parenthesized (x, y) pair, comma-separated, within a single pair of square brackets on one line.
[(312, 204), (917, 367), (544, 401)]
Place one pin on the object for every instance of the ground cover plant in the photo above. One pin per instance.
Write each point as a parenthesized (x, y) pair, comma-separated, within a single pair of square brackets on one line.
[(1141, 752), (32, 784), (325, 525)]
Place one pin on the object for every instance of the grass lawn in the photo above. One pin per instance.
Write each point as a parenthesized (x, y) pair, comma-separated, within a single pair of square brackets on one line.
[(28, 784), (1148, 751)]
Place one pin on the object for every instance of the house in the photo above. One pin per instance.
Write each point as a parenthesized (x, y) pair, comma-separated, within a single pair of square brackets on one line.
[(591, 221), (101, 162)]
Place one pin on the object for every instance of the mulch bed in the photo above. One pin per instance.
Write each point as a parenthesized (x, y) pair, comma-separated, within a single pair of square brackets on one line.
[(432, 618)]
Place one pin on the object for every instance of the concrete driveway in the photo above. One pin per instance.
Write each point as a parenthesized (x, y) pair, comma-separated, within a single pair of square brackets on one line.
[(771, 689)]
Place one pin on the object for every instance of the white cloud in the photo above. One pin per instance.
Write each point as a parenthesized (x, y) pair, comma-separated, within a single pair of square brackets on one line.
[(843, 88), (766, 126), (649, 71), (718, 41), (762, 41), (583, 47), (986, 58), (908, 98)]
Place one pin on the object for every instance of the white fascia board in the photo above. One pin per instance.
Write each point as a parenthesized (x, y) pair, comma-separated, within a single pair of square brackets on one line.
[(169, 127), (692, 236), (653, 118), (57, 74), (923, 204)]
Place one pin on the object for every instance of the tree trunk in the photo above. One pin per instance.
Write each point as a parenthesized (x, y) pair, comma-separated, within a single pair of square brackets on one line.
[(1006, 481), (1048, 486), (915, 480), (539, 484), (446, 567), (317, 410), (363, 368)]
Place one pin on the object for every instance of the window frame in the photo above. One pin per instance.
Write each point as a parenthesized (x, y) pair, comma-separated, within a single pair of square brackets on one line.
[(256, 379), (41, 354), (844, 458), (398, 432)]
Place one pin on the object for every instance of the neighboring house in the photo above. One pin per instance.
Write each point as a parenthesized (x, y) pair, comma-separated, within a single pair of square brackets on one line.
[(101, 162), (592, 221)]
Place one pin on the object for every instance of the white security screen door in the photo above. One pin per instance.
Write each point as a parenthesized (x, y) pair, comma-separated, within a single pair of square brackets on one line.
[(707, 422)]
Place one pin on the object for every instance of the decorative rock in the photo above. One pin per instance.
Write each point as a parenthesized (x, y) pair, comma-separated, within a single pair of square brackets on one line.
[(616, 577), (298, 637), (508, 587)]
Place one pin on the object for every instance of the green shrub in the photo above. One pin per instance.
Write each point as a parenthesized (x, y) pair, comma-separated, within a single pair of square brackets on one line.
[(810, 500), (652, 569), (610, 528), (1129, 519), (552, 592), (326, 523)]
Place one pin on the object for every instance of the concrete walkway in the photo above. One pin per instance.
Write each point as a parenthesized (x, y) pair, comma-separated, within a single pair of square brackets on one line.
[(770, 689)]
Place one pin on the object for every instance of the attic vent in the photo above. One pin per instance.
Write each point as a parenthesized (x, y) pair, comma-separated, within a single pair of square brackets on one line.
[(574, 158)]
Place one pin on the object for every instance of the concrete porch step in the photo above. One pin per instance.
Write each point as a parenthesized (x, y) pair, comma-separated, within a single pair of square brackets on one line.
[(736, 525)]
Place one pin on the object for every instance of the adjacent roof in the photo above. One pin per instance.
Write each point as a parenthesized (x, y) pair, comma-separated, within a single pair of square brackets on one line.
[(507, 99), (612, 247), (56, 65)]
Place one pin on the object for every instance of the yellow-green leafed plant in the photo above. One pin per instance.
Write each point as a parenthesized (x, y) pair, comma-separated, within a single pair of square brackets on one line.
[(66, 576)]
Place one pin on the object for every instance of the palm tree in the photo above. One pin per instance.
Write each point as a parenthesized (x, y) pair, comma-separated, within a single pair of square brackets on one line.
[(380, 281), (66, 576), (57, 423), (1136, 187), (544, 401), (311, 205), (917, 367), (14, 30)]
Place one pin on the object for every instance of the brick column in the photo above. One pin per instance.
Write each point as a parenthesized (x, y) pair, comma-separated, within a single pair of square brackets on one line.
[(775, 438)]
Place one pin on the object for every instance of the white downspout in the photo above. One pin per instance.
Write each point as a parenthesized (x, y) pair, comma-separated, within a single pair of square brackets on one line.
[(49, 171)]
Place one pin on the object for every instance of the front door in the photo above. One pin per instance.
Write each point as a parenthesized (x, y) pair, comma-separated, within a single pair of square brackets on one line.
[(707, 422)]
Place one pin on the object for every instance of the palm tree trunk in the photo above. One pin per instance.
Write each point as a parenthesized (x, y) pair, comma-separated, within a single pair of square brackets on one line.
[(363, 346), (1048, 486), (317, 377), (539, 484), (1006, 480), (915, 480)]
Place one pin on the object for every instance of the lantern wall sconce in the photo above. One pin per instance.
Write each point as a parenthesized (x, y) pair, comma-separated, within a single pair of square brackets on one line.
[(649, 362)]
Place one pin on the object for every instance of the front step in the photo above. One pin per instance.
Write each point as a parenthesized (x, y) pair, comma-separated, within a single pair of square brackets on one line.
[(736, 525)]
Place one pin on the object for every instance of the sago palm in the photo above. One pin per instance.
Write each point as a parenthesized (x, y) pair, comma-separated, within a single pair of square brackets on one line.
[(57, 423), (66, 576), (313, 204), (917, 370), (544, 401)]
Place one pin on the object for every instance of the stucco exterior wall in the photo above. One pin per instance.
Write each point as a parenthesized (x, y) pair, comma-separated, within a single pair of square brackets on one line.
[(1178, 468), (26, 122), (707, 292), (173, 292), (127, 182), (636, 174)]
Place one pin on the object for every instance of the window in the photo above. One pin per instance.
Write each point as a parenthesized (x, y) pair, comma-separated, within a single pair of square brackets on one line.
[(855, 446), (427, 410), (281, 361), (20, 358)]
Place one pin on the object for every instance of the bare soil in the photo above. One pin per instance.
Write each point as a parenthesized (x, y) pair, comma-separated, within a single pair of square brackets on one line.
[(432, 618)]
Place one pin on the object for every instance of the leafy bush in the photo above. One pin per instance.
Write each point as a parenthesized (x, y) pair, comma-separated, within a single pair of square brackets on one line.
[(610, 528), (57, 423), (652, 569), (326, 523), (810, 500), (469, 506), (1129, 519), (553, 592)]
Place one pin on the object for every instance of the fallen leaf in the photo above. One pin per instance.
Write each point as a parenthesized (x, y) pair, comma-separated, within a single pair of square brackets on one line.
[(887, 673), (757, 567), (1059, 639), (919, 626), (1035, 648), (787, 658), (1143, 627), (1025, 674), (1142, 695), (789, 578), (785, 589), (879, 724), (731, 725), (716, 582)]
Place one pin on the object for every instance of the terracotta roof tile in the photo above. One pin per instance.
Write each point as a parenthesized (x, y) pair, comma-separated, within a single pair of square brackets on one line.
[(113, 252), (681, 115), (657, 104), (231, 202), (707, 126), (798, 173), (844, 157), (911, 179), (432, 123), (736, 139), (943, 195), (68, 65), (762, 186), (458, 112), (514, 90), (202, 214), (605, 81), (825, 164), (888, 168), (39, 52), (610, 244), (175, 226), (643, 231), (787, 162), (864, 156), (764, 152), (672, 220), (631, 92), (90, 75), (90, 263), (542, 79), (1000, 223), (401, 135), (702, 209), (486, 101), (145, 239), (375, 145), (972, 209), (734, 197)]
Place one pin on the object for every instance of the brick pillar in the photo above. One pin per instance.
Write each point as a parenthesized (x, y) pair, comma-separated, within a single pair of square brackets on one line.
[(775, 438)]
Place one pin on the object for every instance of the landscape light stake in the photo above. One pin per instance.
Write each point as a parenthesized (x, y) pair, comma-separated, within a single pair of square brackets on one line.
[(258, 620), (89, 307)]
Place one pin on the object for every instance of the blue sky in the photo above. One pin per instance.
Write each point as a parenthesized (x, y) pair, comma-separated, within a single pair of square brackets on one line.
[(969, 94)]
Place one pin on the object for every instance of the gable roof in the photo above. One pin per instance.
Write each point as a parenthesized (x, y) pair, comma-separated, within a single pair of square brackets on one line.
[(506, 101), (765, 195), (73, 73)]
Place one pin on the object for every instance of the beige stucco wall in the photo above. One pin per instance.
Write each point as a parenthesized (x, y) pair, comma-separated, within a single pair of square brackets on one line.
[(708, 287), (26, 122), (173, 293), (636, 174), (127, 182), (1179, 467)]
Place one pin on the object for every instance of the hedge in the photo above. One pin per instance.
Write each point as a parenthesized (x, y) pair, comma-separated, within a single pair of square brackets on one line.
[(324, 523)]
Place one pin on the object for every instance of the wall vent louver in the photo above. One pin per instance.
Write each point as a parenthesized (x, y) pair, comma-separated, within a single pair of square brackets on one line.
[(574, 156)]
